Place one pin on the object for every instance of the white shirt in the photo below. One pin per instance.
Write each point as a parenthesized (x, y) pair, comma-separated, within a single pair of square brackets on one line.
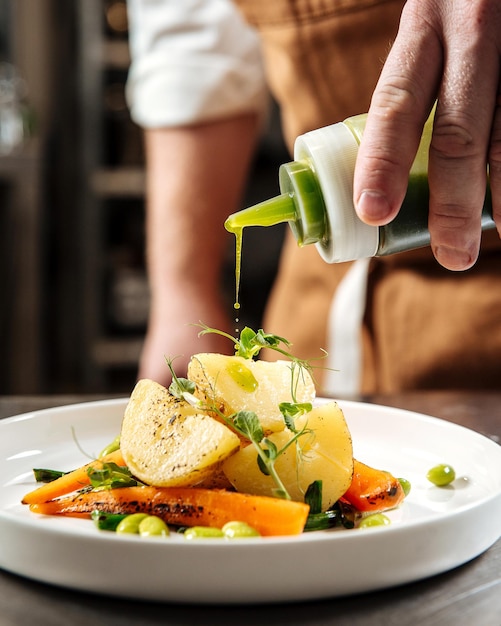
[(192, 61)]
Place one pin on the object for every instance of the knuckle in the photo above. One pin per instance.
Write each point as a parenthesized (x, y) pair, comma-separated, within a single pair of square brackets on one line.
[(452, 138), (382, 161), (396, 98)]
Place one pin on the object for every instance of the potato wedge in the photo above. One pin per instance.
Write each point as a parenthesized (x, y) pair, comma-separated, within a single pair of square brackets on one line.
[(168, 443), (324, 454), (234, 384)]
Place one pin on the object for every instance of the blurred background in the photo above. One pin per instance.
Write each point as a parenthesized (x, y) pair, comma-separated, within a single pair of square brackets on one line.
[(74, 294)]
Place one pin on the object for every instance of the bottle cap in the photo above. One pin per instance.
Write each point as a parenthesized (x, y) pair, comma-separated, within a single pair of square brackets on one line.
[(299, 183), (300, 203), (332, 152)]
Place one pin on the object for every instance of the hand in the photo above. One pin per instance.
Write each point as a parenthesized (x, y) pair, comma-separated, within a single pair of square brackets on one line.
[(445, 50)]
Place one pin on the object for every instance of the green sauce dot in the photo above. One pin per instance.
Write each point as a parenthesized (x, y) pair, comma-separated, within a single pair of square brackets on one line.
[(242, 375)]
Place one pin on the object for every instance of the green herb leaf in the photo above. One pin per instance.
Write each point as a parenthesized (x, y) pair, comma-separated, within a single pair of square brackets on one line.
[(292, 410), (111, 476), (271, 449), (248, 425), (262, 463), (250, 342), (180, 386), (313, 497), (43, 475), (245, 346)]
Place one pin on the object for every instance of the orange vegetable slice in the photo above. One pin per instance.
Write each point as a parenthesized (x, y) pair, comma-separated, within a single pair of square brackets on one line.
[(71, 481), (373, 490), (185, 506)]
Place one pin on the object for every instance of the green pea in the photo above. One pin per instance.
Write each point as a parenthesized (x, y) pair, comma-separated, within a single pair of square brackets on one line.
[(441, 475), (239, 530), (203, 532), (130, 524), (153, 526), (376, 519), (406, 485)]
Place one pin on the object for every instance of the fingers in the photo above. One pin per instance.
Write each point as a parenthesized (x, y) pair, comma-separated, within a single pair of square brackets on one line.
[(457, 176), (453, 53), (457, 171), (400, 106)]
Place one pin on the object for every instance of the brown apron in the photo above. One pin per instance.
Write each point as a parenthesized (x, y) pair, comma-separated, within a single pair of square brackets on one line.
[(424, 327)]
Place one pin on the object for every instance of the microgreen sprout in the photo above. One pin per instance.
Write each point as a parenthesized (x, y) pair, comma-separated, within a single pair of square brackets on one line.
[(292, 410), (182, 388), (247, 424), (250, 343), (111, 476)]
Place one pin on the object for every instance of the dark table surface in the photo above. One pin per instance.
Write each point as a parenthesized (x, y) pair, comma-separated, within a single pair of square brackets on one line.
[(470, 594)]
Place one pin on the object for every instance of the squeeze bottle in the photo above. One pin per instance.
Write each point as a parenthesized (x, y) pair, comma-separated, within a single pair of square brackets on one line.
[(316, 199)]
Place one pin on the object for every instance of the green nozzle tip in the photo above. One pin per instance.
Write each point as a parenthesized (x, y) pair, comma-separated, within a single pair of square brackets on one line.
[(268, 213)]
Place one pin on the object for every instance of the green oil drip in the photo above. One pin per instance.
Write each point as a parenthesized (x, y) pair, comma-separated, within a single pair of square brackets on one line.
[(300, 204), (242, 375), (238, 232), (267, 213)]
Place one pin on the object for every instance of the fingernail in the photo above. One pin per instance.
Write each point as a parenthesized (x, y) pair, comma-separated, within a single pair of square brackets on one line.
[(454, 259), (373, 206)]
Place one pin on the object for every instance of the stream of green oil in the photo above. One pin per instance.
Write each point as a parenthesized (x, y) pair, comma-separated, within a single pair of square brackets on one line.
[(238, 232), (268, 213)]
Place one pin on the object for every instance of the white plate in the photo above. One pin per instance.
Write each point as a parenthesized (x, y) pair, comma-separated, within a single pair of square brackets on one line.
[(434, 531)]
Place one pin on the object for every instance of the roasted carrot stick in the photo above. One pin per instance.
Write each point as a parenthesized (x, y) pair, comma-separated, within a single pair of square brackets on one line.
[(71, 481), (186, 506), (373, 490)]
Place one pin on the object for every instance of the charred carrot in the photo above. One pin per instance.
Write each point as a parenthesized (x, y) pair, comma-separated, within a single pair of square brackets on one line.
[(373, 490), (71, 481), (184, 506)]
